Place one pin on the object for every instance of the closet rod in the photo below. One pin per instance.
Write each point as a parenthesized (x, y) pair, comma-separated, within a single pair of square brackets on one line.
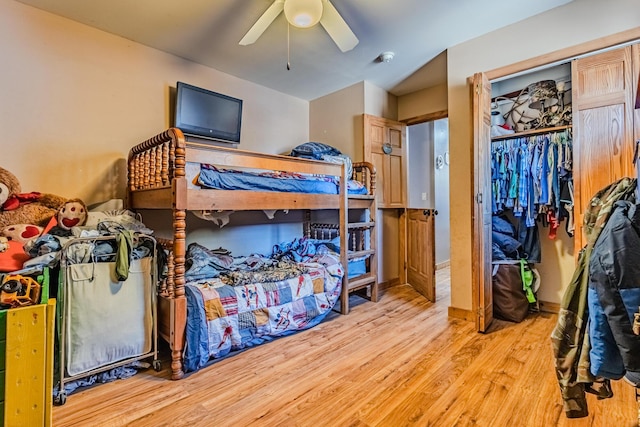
[(531, 132)]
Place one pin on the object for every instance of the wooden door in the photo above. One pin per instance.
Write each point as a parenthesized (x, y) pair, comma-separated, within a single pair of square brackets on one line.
[(603, 99), (481, 238), (385, 147), (421, 253), (635, 53)]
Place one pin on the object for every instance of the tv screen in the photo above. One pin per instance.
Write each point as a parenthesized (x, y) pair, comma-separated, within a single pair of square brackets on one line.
[(207, 114)]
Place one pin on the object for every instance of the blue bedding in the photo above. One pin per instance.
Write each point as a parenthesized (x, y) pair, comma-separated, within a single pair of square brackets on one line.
[(230, 179)]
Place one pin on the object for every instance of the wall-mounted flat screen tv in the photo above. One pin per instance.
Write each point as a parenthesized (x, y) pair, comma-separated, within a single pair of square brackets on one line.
[(207, 114)]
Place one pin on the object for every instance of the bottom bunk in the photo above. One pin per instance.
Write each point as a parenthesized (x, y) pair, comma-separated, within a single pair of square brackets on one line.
[(232, 303)]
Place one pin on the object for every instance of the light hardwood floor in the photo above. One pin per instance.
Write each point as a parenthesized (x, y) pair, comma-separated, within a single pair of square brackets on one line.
[(398, 362)]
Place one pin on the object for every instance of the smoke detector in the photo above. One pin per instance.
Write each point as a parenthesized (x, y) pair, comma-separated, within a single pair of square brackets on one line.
[(386, 57)]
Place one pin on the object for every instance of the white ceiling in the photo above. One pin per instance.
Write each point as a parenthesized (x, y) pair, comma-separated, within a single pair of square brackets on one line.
[(208, 32)]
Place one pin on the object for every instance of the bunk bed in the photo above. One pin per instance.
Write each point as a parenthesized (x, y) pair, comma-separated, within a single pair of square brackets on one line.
[(161, 176)]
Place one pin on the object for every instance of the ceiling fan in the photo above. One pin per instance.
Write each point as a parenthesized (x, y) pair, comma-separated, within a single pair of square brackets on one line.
[(305, 14)]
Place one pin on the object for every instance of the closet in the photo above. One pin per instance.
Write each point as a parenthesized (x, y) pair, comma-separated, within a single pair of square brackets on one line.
[(531, 160), (601, 90)]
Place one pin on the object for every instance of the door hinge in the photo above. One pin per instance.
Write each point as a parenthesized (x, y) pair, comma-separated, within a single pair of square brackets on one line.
[(479, 88), (479, 198), (480, 312)]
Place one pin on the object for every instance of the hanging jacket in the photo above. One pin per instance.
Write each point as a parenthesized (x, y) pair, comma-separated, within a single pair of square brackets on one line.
[(570, 340), (614, 294)]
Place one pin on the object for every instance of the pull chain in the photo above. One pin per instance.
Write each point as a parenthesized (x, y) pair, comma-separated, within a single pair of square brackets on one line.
[(288, 47)]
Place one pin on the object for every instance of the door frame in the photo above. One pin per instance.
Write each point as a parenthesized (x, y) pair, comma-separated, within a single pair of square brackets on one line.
[(403, 220), (542, 61)]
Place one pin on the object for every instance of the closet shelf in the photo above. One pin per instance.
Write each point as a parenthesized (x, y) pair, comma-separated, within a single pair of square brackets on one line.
[(531, 132)]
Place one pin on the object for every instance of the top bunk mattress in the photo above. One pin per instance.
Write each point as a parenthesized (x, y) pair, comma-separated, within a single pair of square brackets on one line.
[(212, 177)]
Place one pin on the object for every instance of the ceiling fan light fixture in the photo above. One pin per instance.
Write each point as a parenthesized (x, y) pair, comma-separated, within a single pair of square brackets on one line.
[(303, 13)]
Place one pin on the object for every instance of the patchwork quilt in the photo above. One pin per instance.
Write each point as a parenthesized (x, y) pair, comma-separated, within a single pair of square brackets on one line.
[(227, 316)]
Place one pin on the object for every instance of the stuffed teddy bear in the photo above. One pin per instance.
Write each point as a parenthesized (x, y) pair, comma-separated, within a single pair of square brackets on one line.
[(25, 208)]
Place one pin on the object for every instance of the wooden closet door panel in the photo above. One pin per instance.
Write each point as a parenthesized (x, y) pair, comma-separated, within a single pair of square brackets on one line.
[(396, 184), (482, 227), (602, 93), (395, 137), (635, 51), (602, 157), (377, 135), (385, 147), (421, 251), (379, 160)]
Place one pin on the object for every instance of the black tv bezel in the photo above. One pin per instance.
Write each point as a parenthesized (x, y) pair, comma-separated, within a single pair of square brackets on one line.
[(203, 132)]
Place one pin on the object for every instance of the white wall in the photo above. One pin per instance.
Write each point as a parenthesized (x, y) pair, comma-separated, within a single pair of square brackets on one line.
[(336, 119), (422, 102), (421, 166), (75, 99), (441, 191), (378, 102)]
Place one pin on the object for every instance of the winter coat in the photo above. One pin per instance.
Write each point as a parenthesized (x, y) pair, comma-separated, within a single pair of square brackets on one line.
[(614, 294), (570, 338)]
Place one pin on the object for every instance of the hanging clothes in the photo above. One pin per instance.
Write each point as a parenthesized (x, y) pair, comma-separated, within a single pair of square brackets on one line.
[(528, 172), (531, 177)]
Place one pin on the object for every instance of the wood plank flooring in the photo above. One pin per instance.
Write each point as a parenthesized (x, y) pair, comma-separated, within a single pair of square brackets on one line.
[(398, 362)]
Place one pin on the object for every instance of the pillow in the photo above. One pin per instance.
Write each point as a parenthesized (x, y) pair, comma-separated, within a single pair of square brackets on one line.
[(13, 258), (314, 150), (341, 158)]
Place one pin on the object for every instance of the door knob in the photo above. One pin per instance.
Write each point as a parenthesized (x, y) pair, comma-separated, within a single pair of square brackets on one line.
[(435, 211)]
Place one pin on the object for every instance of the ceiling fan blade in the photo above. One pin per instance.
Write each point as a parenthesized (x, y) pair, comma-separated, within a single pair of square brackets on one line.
[(337, 27), (263, 22)]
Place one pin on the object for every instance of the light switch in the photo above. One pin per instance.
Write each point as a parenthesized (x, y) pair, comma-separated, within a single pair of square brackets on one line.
[(424, 196)]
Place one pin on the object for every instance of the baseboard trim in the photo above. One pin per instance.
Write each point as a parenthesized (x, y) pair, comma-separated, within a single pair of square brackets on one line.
[(549, 307), (442, 265), (382, 286), (461, 313)]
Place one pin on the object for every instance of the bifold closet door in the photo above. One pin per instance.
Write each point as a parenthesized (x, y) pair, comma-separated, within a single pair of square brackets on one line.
[(635, 53), (603, 100)]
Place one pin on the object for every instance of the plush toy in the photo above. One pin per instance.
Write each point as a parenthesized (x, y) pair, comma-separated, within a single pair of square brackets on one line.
[(25, 208), (22, 233), (71, 214), (4, 244)]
